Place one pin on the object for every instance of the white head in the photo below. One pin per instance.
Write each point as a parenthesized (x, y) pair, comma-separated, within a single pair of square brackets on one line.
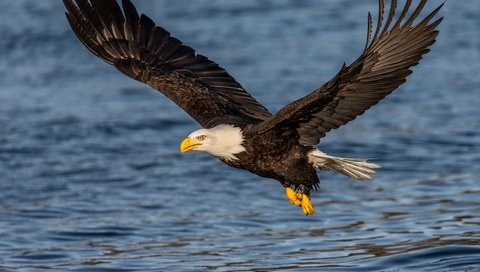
[(223, 141)]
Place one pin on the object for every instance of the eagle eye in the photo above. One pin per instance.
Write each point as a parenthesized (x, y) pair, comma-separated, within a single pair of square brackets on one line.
[(201, 137)]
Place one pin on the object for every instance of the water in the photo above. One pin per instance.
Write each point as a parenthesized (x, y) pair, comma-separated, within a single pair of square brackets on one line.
[(91, 178)]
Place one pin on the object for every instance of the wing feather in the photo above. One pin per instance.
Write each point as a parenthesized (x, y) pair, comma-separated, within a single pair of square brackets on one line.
[(148, 53), (383, 66)]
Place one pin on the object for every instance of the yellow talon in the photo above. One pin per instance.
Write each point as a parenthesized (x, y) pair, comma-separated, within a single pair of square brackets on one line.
[(294, 197), (307, 205)]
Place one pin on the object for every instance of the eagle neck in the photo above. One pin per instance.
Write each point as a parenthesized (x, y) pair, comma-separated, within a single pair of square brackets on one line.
[(227, 143)]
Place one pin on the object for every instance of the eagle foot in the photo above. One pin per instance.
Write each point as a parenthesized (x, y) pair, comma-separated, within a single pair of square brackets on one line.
[(294, 197), (307, 205), (300, 200)]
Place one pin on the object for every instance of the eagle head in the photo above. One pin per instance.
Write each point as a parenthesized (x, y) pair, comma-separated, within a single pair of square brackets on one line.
[(223, 141)]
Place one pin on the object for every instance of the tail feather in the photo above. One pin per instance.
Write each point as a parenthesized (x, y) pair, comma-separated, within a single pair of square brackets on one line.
[(359, 169)]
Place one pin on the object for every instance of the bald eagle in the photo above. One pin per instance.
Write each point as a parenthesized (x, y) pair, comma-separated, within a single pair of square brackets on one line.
[(236, 128)]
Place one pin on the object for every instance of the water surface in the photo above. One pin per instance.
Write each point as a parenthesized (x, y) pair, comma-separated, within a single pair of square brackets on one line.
[(91, 178)]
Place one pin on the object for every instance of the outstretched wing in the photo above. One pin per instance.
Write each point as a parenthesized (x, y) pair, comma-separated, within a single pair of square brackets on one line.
[(383, 66), (147, 53)]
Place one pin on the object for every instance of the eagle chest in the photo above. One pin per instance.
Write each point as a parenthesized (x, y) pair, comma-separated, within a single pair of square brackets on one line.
[(269, 151)]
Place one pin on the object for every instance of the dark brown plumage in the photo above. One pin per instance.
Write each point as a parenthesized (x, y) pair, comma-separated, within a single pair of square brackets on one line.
[(278, 146), (147, 53), (383, 66)]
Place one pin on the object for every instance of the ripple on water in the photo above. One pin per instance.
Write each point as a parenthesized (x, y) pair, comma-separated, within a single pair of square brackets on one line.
[(108, 232), (444, 258)]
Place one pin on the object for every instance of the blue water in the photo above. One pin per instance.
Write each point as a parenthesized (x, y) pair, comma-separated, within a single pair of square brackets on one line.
[(91, 178)]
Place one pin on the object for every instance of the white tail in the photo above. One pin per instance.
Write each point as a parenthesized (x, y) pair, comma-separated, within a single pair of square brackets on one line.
[(359, 169)]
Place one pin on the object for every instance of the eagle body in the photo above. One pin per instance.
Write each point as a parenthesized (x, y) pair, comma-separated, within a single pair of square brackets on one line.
[(236, 128), (282, 158)]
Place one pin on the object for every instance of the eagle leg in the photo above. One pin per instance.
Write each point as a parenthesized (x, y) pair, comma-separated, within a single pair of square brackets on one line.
[(300, 199)]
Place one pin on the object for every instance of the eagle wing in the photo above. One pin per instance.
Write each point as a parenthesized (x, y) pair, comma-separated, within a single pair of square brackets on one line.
[(383, 66), (147, 53)]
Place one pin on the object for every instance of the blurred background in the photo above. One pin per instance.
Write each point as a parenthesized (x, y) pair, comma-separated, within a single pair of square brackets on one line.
[(91, 178)]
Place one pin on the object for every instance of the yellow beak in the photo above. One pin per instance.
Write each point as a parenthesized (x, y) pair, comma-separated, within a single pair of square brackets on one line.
[(188, 144)]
